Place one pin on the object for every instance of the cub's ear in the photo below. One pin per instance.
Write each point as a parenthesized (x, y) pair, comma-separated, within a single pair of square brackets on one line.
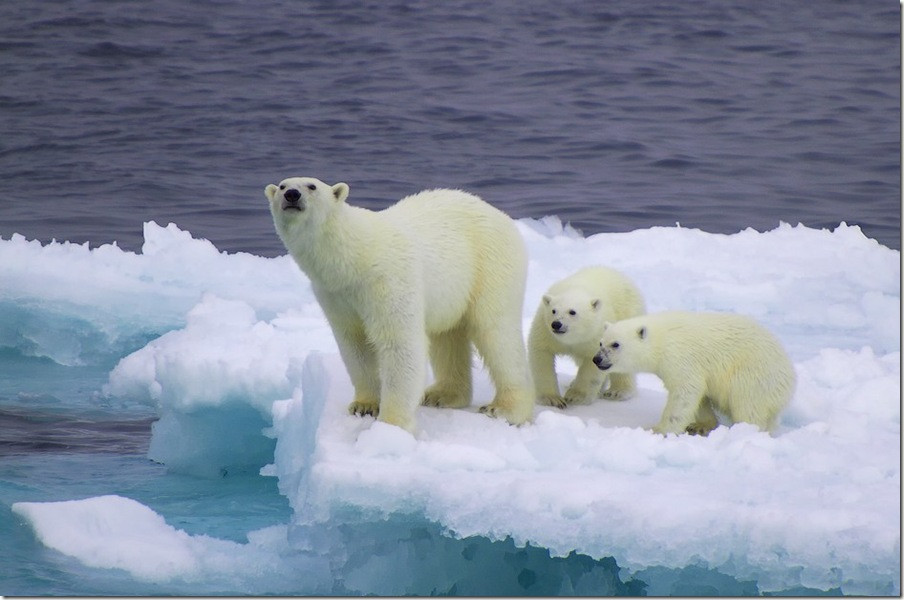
[(642, 333), (547, 300), (606, 326), (340, 192), (595, 304), (270, 191)]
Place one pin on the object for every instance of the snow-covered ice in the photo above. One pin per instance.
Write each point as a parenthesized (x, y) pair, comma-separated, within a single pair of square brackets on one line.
[(235, 356)]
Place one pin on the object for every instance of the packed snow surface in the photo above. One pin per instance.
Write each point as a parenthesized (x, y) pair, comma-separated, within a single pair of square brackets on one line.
[(240, 354)]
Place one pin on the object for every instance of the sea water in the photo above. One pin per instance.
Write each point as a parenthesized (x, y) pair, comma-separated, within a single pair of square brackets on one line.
[(613, 115)]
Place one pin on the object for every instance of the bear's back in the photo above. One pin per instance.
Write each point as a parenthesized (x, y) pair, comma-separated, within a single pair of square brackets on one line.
[(453, 222), (716, 338), (461, 245)]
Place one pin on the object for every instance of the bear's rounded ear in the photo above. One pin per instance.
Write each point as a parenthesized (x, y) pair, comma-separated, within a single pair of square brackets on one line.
[(595, 304), (606, 326), (340, 192), (270, 191), (547, 300), (642, 333)]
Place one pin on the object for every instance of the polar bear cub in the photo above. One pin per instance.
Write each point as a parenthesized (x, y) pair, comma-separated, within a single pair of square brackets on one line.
[(706, 361), (434, 273), (570, 321)]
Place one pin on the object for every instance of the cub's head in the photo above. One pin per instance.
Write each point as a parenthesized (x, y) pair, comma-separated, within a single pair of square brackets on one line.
[(571, 317), (624, 347), (302, 202)]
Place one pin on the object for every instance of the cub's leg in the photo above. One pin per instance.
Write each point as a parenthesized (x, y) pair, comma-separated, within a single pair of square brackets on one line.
[(680, 407), (705, 420), (751, 408), (450, 356), (586, 385), (621, 386)]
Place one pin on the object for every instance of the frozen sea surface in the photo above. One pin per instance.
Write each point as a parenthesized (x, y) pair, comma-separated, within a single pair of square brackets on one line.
[(259, 482)]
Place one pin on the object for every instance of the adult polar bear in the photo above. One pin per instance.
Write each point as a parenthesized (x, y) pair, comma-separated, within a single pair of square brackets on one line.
[(440, 269)]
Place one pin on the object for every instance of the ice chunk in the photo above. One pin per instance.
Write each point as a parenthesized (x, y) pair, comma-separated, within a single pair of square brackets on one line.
[(117, 532), (235, 355), (798, 509)]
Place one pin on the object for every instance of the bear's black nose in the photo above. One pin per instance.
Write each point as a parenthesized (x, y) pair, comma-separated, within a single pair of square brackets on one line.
[(557, 325), (597, 360), (292, 196)]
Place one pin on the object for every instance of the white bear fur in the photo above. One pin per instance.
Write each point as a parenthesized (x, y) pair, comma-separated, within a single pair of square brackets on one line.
[(570, 322), (438, 270), (706, 361)]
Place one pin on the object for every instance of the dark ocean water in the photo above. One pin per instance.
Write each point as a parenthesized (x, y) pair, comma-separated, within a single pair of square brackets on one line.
[(618, 115)]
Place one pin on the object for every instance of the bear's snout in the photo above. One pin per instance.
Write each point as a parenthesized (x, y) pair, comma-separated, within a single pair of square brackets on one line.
[(557, 327), (601, 363), (292, 200)]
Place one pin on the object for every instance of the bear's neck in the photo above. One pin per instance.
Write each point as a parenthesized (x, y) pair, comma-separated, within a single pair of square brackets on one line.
[(329, 255)]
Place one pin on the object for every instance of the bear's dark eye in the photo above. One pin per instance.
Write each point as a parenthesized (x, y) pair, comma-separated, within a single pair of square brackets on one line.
[(555, 312), (282, 186), (614, 345), (572, 313), (312, 187)]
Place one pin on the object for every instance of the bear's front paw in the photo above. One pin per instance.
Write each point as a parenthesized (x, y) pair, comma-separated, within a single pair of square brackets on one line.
[(444, 398), (362, 408), (552, 400), (515, 406), (577, 396)]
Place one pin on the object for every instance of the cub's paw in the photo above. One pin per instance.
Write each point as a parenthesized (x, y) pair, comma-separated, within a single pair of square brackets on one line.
[(363, 408), (552, 400), (444, 398), (617, 394)]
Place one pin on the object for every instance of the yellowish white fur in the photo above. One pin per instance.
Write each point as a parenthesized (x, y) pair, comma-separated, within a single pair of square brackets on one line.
[(434, 273), (706, 361), (569, 322)]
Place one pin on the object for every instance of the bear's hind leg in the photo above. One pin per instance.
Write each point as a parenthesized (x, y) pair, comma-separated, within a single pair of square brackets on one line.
[(450, 357), (750, 408)]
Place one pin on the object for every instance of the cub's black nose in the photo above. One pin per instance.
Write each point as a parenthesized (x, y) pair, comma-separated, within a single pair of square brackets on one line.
[(292, 196), (597, 360), (556, 325)]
